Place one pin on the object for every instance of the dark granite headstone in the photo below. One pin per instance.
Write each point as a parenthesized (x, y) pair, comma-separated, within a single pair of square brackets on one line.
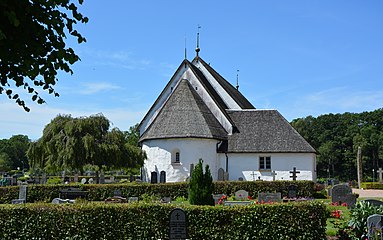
[(153, 177), (374, 202), (292, 191), (342, 193), (178, 225), (162, 177)]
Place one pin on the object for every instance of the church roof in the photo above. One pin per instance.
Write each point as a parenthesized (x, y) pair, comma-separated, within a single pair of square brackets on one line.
[(184, 115), (232, 91), (264, 131)]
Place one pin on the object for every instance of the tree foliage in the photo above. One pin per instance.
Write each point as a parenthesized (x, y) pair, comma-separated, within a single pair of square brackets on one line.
[(336, 138), (13, 152), (201, 186), (70, 143), (32, 46)]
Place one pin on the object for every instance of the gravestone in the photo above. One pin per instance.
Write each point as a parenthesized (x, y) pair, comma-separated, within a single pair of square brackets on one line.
[(162, 177), (90, 181), (153, 177), (102, 178), (133, 199), (292, 191), (131, 178), (165, 200), (374, 225), (63, 176), (75, 178), (83, 180), (236, 203), (240, 179), (273, 174), (44, 178), (241, 195), (294, 173), (374, 202), (62, 201), (178, 225), (117, 193), (380, 172), (221, 174), (217, 197), (111, 179), (22, 195), (342, 193), (266, 197)]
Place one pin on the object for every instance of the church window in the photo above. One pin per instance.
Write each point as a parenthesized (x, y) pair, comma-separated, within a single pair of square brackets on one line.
[(176, 156), (265, 163)]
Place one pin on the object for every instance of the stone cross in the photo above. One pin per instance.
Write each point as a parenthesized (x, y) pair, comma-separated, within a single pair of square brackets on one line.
[(380, 172), (253, 174), (294, 172), (273, 174)]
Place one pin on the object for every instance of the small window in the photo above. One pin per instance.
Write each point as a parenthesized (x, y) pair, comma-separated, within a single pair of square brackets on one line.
[(264, 163), (177, 157)]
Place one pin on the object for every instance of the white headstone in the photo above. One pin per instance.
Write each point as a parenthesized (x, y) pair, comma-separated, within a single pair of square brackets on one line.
[(83, 180), (241, 195), (90, 181)]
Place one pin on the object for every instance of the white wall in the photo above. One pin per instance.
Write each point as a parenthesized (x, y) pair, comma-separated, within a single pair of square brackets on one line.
[(191, 150), (245, 165)]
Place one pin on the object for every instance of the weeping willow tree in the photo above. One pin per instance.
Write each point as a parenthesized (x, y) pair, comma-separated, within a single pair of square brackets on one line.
[(70, 143)]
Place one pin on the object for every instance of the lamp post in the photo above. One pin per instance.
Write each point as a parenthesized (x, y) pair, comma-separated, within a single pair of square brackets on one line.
[(373, 175)]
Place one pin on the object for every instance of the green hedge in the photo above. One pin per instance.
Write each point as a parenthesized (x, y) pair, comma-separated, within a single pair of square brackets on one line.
[(99, 192), (304, 220), (371, 185)]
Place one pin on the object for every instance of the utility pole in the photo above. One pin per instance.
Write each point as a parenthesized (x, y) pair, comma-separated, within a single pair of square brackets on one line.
[(359, 166)]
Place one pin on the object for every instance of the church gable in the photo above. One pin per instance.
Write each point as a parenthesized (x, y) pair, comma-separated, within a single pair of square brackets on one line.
[(185, 115)]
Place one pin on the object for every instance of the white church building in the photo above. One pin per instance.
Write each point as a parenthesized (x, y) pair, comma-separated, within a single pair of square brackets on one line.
[(200, 115)]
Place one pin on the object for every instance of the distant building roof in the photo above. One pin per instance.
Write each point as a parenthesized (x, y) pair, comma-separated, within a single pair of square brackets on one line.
[(264, 131), (185, 115)]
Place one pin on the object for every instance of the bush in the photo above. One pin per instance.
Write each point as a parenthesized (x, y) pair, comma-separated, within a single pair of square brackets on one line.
[(359, 215), (305, 220), (201, 186), (99, 192)]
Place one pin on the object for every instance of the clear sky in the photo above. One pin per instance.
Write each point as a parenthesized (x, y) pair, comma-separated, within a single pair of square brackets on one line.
[(299, 57)]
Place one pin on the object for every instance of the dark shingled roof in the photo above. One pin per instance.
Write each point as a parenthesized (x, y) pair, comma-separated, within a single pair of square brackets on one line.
[(185, 115), (233, 92), (265, 131)]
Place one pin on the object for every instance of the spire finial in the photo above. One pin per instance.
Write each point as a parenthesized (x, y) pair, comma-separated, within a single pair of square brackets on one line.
[(197, 48), (185, 48), (237, 87)]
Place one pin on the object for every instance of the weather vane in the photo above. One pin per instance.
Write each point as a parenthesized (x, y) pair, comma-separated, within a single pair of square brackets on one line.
[(197, 48)]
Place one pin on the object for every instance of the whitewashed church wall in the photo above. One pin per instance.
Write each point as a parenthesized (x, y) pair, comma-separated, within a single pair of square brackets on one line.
[(159, 153), (220, 90), (246, 166)]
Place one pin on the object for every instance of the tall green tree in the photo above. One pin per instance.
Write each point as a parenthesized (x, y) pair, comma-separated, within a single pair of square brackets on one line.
[(13, 151), (201, 186), (336, 137), (32, 45), (70, 143)]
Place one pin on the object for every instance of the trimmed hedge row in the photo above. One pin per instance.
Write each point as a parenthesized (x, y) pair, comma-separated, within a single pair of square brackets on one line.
[(372, 185), (99, 192), (304, 220)]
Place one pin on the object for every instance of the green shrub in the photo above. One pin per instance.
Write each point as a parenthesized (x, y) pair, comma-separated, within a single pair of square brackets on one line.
[(305, 220), (201, 186), (359, 215), (99, 192), (371, 185)]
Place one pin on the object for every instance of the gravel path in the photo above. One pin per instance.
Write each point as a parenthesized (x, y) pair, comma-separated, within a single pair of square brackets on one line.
[(370, 193)]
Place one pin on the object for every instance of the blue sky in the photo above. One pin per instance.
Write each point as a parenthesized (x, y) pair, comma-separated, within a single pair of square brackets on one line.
[(299, 57)]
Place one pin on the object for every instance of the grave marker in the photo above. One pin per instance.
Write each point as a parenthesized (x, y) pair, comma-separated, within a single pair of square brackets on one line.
[(374, 202), (241, 195), (162, 177), (83, 180), (273, 174), (102, 178), (153, 178), (44, 178), (75, 178), (22, 195), (292, 191), (90, 181), (178, 225), (217, 197), (221, 174), (133, 199), (342, 193), (374, 225), (294, 172), (266, 197), (380, 172)]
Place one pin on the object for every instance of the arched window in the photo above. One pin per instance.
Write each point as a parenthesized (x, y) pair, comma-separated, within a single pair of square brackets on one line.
[(176, 157)]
